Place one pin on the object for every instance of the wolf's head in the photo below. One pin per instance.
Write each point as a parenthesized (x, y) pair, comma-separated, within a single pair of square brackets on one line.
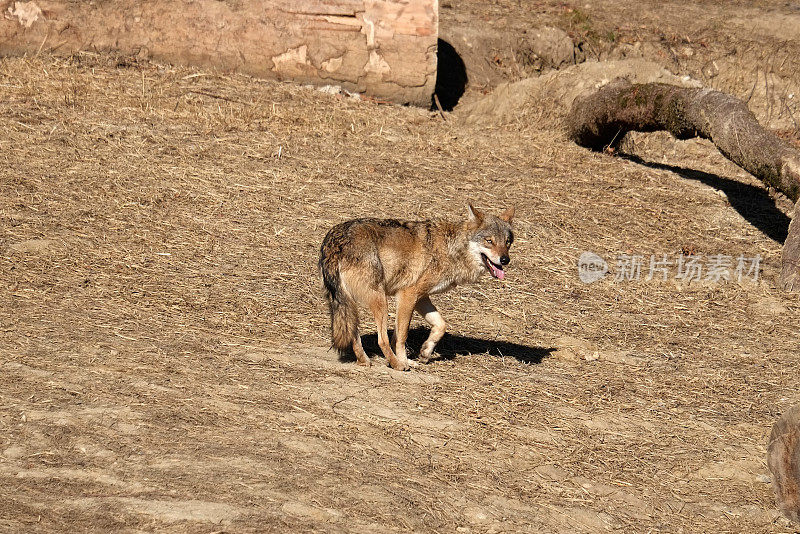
[(490, 237)]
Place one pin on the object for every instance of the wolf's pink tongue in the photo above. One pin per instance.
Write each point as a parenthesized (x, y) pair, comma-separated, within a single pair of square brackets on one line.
[(498, 273)]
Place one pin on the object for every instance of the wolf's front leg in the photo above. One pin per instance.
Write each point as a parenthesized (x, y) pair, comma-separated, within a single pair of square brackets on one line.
[(438, 326), (405, 309)]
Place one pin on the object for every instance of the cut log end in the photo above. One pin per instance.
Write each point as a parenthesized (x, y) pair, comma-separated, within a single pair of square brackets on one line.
[(783, 458)]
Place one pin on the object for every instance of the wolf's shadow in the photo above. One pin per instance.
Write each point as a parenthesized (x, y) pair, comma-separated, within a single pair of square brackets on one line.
[(452, 345)]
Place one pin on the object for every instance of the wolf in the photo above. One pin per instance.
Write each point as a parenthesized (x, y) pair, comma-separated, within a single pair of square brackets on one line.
[(365, 261)]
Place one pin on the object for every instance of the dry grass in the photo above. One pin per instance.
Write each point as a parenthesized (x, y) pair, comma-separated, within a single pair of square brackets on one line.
[(163, 339)]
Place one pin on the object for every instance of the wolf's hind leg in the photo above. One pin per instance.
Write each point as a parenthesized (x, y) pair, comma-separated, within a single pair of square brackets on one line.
[(380, 310), (438, 326), (358, 349)]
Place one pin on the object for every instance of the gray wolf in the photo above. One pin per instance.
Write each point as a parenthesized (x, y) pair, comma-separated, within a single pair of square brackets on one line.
[(365, 261)]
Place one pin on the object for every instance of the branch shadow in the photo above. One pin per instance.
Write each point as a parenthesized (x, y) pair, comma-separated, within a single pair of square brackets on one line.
[(451, 345), (750, 201)]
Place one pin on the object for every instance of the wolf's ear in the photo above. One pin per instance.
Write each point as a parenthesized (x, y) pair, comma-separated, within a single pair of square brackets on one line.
[(473, 215), (508, 215)]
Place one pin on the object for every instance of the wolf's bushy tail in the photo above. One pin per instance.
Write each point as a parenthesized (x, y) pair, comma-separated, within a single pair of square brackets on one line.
[(343, 309)]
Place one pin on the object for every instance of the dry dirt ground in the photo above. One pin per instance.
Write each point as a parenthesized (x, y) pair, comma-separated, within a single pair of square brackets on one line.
[(163, 341)]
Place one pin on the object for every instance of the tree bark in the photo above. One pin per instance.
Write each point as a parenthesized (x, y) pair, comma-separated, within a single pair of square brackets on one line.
[(783, 458), (601, 119), (383, 48)]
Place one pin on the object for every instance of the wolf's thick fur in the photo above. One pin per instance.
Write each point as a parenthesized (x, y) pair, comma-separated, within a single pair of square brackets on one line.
[(364, 261)]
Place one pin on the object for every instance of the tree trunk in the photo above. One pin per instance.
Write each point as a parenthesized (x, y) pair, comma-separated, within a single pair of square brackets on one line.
[(783, 458), (601, 119), (384, 48)]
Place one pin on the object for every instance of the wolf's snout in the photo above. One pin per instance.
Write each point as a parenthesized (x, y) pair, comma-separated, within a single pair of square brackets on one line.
[(504, 259)]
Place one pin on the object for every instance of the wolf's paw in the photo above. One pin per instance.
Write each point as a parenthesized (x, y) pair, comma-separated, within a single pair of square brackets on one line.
[(426, 353), (400, 365)]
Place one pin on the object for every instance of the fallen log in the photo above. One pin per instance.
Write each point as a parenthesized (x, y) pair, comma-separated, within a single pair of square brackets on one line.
[(783, 459), (383, 48), (602, 118)]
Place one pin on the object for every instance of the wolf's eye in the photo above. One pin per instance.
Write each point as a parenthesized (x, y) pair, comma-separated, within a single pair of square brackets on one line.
[(490, 240)]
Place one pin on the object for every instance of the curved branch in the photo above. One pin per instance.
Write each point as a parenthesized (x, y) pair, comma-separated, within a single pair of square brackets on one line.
[(602, 118)]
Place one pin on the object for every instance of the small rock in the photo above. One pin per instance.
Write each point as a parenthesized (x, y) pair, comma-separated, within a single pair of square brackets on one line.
[(14, 452), (572, 348), (553, 46), (305, 510), (623, 357), (33, 246), (551, 472), (476, 514)]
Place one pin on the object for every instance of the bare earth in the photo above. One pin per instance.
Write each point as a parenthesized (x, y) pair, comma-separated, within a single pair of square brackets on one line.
[(163, 340)]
